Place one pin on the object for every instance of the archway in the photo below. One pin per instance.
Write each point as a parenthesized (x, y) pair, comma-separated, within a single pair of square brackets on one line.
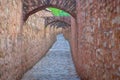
[(53, 20), (32, 6)]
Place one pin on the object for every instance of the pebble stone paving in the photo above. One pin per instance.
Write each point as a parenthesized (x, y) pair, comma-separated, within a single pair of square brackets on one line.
[(56, 65)]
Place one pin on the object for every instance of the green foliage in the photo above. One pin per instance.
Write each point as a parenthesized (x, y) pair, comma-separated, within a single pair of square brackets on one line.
[(58, 12)]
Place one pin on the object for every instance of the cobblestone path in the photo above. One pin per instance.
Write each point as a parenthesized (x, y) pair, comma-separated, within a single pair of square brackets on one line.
[(56, 65)]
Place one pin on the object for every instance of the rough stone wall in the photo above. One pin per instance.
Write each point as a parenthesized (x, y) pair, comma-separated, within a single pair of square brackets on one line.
[(31, 6), (36, 39), (66, 33), (20, 51), (94, 39), (10, 22), (98, 56)]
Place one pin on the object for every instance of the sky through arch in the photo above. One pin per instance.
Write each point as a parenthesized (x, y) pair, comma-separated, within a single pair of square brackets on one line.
[(58, 12)]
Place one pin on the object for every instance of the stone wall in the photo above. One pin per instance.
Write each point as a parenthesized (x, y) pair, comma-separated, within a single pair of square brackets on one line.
[(10, 22), (98, 56), (94, 39), (36, 39), (21, 45)]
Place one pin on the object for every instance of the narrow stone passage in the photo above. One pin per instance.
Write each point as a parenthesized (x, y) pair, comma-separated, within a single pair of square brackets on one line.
[(56, 65)]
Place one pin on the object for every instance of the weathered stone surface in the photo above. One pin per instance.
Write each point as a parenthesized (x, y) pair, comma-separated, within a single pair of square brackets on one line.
[(21, 45), (98, 49), (59, 22), (56, 65), (32, 6), (94, 36)]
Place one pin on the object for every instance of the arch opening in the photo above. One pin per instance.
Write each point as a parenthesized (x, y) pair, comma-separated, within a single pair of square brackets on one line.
[(32, 6), (59, 23), (62, 21)]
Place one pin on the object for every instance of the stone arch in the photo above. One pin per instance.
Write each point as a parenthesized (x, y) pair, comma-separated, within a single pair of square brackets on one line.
[(59, 24), (32, 6), (52, 20)]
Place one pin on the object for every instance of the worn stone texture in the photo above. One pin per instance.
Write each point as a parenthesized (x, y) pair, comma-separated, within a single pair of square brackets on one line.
[(98, 56), (21, 45), (56, 65), (94, 37), (55, 19), (36, 39), (10, 22), (32, 6)]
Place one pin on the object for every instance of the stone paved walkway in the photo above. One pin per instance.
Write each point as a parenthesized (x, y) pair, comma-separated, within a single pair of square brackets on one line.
[(56, 65)]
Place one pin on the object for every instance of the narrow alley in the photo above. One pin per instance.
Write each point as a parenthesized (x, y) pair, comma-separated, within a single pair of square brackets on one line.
[(57, 64), (59, 39)]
